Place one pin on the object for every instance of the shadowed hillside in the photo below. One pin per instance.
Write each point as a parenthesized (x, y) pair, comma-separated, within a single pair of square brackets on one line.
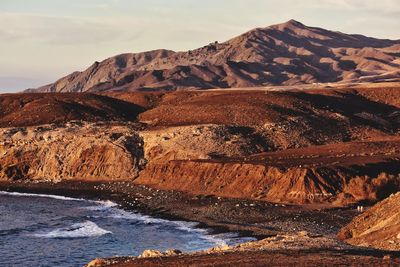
[(36, 109)]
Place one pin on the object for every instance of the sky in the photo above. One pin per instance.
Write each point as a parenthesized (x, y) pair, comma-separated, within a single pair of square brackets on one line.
[(43, 40)]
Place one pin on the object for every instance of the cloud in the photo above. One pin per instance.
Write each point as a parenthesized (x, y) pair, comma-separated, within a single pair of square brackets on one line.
[(64, 30)]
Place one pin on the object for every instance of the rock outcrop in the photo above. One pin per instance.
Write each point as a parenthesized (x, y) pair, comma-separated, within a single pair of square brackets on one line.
[(285, 54), (378, 227), (71, 151), (150, 253)]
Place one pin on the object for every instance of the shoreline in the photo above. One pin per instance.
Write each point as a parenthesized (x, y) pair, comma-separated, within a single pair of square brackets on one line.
[(192, 225), (87, 191), (247, 222), (205, 210)]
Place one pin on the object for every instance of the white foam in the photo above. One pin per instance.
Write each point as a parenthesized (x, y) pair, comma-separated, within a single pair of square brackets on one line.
[(16, 194), (122, 214), (189, 227), (77, 230), (101, 205)]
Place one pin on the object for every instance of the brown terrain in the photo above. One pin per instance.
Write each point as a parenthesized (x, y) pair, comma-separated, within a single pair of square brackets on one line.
[(262, 162), (71, 151), (284, 54), (378, 227), (300, 146), (35, 109), (286, 164)]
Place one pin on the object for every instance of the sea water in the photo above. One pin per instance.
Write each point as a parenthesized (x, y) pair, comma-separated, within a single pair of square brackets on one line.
[(45, 230)]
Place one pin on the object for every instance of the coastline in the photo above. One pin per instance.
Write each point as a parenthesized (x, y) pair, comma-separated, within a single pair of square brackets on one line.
[(218, 214), (246, 220), (140, 197)]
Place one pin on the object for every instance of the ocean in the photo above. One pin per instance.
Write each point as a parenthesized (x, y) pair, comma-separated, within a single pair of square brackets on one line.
[(45, 230)]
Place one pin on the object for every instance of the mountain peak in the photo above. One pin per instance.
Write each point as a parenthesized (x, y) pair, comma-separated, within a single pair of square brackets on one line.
[(290, 24), (294, 23)]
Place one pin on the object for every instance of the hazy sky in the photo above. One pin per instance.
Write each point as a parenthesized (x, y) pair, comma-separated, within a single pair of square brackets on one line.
[(42, 40)]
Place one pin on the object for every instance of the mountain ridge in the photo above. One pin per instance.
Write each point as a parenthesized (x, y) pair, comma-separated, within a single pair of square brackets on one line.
[(289, 53)]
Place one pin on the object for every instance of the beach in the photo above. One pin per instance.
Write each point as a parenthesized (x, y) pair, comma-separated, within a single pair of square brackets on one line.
[(318, 224)]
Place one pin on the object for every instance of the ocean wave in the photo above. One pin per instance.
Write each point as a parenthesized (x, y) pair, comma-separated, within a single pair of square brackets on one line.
[(89, 228), (77, 230), (17, 194)]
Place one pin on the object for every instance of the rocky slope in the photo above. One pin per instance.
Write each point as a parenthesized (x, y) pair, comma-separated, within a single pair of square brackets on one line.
[(339, 178), (300, 146), (284, 54), (378, 227), (207, 125), (71, 151)]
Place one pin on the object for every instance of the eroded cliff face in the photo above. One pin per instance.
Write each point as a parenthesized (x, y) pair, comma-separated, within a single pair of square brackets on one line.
[(71, 151), (296, 184)]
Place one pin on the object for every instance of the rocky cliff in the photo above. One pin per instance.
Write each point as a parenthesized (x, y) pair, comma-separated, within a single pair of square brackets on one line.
[(71, 151), (378, 227)]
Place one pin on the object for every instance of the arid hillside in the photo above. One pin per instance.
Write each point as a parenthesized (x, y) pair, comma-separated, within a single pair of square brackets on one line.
[(284, 54), (338, 146)]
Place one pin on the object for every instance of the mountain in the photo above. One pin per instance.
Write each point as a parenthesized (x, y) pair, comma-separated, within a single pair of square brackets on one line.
[(290, 53)]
